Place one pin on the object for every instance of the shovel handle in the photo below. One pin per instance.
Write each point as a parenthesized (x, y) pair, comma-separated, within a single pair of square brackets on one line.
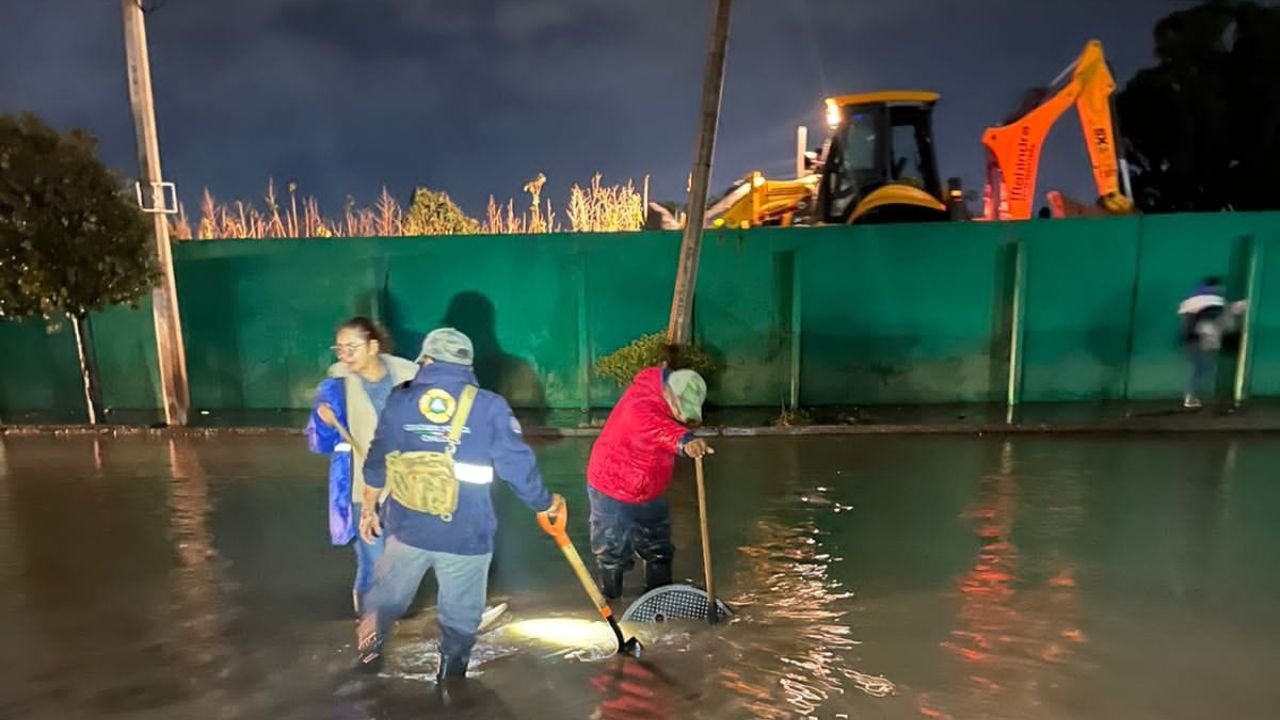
[(555, 525), (346, 437), (706, 542)]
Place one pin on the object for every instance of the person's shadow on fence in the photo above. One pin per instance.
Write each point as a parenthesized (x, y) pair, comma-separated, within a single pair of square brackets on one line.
[(513, 377)]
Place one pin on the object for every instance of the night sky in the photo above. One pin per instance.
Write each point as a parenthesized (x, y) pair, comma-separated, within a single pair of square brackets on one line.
[(477, 96)]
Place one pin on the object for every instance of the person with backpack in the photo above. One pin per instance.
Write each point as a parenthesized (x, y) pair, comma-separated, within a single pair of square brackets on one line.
[(439, 446)]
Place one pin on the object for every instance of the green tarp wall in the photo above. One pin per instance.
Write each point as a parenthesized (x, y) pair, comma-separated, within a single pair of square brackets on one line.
[(852, 316)]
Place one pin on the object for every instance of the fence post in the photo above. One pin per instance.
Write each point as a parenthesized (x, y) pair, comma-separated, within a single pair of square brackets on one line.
[(1016, 314), (1253, 288), (1133, 311), (795, 334), (584, 334)]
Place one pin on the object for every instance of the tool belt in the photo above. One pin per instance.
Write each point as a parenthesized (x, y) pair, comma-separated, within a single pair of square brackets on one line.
[(426, 482)]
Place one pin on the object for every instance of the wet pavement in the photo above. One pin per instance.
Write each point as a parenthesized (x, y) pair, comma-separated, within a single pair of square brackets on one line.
[(1255, 415), (894, 576)]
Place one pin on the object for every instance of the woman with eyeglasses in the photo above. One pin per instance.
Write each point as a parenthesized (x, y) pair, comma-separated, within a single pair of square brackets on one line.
[(342, 424)]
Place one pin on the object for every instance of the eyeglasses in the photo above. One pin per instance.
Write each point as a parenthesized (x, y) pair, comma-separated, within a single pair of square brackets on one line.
[(347, 349)]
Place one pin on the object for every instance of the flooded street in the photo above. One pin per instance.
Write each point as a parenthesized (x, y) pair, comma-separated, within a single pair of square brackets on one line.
[(874, 577)]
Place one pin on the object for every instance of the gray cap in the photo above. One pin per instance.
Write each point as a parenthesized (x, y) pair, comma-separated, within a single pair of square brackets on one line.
[(690, 391), (447, 345)]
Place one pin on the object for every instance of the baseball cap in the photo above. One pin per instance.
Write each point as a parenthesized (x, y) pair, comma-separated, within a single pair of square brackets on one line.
[(447, 345), (690, 391)]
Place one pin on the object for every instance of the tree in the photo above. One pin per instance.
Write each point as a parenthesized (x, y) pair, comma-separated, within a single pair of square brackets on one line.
[(71, 240), (1202, 127), (433, 213)]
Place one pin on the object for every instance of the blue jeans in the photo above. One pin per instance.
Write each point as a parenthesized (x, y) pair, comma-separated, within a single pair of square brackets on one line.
[(367, 555), (463, 581), (1203, 366), (620, 531)]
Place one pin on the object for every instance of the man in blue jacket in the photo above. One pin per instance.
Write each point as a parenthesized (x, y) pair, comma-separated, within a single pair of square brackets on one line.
[(439, 444)]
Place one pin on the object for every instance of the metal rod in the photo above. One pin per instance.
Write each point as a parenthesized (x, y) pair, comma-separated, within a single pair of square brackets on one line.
[(1244, 364), (1133, 314), (796, 328), (1018, 311)]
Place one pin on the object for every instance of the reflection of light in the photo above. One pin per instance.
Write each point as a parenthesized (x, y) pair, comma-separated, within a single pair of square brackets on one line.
[(564, 632), (833, 114)]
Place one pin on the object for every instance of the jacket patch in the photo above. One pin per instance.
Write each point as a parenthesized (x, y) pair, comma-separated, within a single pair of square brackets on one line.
[(437, 405), (432, 433)]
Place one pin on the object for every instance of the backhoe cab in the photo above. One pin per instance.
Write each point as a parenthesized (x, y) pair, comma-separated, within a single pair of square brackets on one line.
[(877, 165)]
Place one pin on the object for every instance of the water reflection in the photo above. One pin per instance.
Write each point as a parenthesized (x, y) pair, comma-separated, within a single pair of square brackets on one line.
[(192, 578), (8, 544), (632, 690), (196, 605), (1015, 618), (793, 595)]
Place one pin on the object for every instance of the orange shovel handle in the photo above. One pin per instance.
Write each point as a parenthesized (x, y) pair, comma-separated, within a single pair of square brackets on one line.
[(556, 525)]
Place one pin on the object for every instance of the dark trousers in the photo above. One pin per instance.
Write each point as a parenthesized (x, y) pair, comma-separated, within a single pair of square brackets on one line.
[(620, 531)]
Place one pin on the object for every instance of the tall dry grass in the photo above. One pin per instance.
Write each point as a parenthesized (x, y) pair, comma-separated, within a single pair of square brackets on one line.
[(605, 208), (595, 208)]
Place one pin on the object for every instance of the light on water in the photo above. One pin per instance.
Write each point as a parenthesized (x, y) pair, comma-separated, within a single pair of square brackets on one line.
[(569, 633), (891, 577)]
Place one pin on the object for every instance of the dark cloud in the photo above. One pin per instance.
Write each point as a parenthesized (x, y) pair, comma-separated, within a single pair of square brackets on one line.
[(477, 96)]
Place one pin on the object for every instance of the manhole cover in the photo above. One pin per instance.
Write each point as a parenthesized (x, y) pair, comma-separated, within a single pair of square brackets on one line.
[(672, 602)]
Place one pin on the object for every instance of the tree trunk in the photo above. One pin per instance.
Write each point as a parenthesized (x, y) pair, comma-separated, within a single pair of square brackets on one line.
[(88, 368)]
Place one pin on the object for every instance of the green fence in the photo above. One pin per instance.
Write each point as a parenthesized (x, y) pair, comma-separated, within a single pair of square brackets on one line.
[(866, 315)]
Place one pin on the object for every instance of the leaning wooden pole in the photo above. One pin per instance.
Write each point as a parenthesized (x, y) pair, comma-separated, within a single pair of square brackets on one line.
[(679, 326), (175, 395)]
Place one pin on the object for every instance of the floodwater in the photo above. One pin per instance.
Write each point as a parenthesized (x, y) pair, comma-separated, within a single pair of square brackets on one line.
[(874, 577)]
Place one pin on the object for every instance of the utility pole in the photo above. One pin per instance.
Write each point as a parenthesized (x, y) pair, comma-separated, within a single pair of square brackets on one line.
[(802, 150), (164, 296), (679, 326)]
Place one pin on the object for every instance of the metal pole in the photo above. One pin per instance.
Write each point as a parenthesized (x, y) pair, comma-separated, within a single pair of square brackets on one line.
[(796, 319), (164, 296), (1133, 313), (678, 328), (1244, 357), (802, 146), (1018, 313)]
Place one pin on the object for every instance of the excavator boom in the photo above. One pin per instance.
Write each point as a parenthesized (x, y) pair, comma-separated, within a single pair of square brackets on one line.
[(1013, 150)]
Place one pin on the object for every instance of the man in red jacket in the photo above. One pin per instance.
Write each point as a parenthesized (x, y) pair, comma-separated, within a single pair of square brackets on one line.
[(630, 468)]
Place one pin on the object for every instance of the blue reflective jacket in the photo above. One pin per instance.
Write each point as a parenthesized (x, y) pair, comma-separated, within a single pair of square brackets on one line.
[(416, 419), (323, 439)]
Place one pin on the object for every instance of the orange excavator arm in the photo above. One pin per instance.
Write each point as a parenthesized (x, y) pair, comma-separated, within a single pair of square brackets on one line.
[(1013, 150)]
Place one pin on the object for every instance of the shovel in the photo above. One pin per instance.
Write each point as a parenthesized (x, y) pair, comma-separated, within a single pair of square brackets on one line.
[(555, 527), (712, 610)]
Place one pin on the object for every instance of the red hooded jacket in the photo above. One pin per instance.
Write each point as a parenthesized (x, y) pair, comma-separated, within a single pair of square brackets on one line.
[(634, 456)]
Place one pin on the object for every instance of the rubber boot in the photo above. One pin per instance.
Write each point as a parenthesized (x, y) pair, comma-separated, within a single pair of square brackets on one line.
[(370, 650), (452, 668), (611, 583), (656, 575)]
